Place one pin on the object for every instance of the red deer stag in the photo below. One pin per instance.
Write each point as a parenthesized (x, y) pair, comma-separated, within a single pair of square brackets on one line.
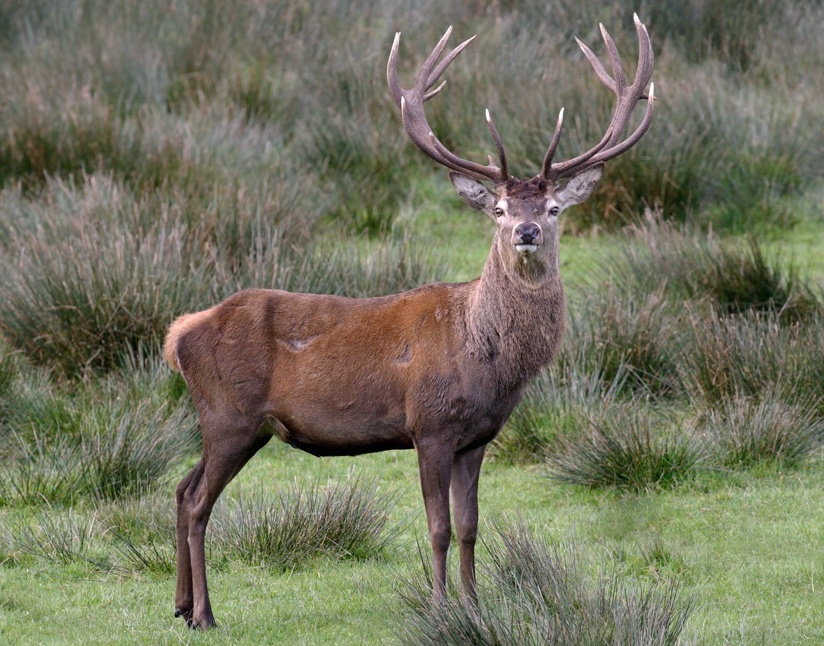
[(438, 368)]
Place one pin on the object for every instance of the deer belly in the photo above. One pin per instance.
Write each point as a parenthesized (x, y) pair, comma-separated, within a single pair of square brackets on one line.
[(342, 426)]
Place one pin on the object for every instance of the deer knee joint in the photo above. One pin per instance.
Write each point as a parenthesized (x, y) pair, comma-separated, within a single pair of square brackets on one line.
[(440, 537)]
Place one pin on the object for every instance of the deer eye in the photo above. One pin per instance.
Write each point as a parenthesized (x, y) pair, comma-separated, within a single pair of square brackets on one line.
[(554, 210), (498, 211)]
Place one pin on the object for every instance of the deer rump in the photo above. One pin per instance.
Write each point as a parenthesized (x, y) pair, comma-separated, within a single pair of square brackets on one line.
[(293, 366)]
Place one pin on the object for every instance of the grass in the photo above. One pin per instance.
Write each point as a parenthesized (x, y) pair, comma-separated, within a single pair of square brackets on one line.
[(157, 157), (718, 553)]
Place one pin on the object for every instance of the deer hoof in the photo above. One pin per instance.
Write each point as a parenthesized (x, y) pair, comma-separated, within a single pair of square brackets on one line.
[(201, 624)]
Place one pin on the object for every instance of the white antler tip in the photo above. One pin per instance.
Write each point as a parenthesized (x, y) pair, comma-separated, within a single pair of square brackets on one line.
[(561, 115), (651, 91), (636, 18), (488, 118)]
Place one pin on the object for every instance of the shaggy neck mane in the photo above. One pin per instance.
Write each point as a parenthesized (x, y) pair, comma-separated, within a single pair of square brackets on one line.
[(516, 315)]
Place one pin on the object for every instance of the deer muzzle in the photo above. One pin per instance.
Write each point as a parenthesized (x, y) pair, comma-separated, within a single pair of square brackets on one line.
[(527, 237)]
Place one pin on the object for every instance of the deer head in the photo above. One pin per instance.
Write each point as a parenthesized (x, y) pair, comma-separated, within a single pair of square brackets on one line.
[(526, 210)]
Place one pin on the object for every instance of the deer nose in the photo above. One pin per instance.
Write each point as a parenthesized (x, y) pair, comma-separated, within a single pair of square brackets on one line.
[(527, 233)]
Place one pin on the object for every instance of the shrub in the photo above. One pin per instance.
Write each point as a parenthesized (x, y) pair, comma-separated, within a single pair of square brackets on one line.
[(534, 593)]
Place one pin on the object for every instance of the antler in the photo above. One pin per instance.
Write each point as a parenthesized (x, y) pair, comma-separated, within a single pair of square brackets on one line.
[(414, 118), (628, 96)]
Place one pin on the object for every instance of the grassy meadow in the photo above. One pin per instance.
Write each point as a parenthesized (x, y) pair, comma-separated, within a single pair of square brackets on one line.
[(660, 484)]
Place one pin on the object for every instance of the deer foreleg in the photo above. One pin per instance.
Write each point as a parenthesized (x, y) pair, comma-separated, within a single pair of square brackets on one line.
[(435, 466), (466, 467)]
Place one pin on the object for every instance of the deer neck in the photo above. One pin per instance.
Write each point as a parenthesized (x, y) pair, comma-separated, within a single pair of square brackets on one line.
[(516, 313)]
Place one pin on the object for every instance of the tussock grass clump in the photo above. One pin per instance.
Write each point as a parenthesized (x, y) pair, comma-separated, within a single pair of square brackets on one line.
[(64, 447), (558, 403), (54, 536), (141, 531), (748, 355), (84, 302), (723, 28), (91, 279), (378, 267), (358, 143), (624, 336), (692, 266), (135, 535), (126, 449), (747, 431), (631, 448), (344, 519), (534, 593)]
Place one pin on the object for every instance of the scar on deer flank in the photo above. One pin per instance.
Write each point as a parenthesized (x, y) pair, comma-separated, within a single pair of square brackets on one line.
[(437, 369)]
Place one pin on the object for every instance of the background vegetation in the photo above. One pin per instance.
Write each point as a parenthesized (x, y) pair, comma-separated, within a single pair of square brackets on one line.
[(157, 156)]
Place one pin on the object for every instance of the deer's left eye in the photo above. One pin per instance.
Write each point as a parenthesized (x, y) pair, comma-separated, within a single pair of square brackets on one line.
[(554, 210), (498, 211)]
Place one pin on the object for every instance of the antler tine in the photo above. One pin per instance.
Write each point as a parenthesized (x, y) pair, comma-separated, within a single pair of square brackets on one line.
[(597, 65), (630, 141), (441, 68), (553, 145), (615, 60), (414, 118), (628, 96), (424, 79), (500, 146), (392, 70)]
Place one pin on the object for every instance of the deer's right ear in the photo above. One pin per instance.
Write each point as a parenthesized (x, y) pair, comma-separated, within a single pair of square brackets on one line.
[(474, 193)]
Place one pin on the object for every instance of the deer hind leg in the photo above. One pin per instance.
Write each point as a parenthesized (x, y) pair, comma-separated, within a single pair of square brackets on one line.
[(223, 457), (183, 497), (435, 467), (466, 468)]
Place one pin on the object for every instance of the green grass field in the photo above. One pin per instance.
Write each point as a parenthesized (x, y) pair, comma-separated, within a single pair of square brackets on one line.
[(156, 157), (745, 546)]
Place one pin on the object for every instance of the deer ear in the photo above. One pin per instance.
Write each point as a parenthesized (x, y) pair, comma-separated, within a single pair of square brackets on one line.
[(474, 193), (579, 187)]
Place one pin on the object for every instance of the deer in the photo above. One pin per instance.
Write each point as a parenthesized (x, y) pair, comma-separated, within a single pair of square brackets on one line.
[(437, 369)]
